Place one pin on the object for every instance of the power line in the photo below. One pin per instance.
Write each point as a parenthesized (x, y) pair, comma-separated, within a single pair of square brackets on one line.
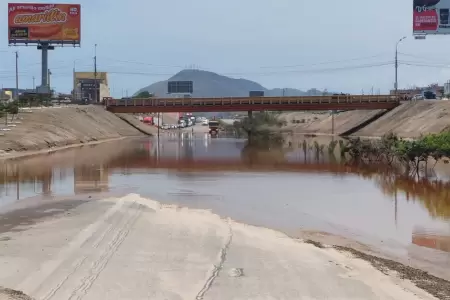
[(425, 65), (323, 63), (420, 57), (143, 63)]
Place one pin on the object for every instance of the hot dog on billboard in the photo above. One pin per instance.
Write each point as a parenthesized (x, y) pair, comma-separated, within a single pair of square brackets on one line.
[(45, 31)]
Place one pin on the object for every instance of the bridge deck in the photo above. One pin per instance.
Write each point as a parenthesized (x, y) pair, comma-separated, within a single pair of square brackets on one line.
[(341, 102)]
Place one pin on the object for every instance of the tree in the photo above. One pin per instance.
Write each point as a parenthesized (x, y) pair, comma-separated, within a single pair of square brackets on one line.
[(144, 94)]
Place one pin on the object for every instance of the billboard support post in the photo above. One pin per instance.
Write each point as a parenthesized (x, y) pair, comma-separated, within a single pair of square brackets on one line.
[(17, 75), (45, 47)]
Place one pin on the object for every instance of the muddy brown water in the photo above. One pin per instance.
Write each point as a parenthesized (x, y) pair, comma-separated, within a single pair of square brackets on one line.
[(281, 189)]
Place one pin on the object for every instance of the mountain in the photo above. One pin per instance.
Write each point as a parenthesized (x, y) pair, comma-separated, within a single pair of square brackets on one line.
[(210, 84)]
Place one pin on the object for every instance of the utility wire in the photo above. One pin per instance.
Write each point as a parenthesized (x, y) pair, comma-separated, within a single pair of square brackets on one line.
[(323, 63)]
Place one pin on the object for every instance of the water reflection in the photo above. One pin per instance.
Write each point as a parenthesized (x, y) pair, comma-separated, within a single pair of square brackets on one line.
[(219, 172), (432, 240), (91, 178)]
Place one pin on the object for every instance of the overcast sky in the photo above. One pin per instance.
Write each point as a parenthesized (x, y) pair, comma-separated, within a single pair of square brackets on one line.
[(278, 43)]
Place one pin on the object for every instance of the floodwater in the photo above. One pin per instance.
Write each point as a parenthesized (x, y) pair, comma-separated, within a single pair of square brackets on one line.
[(287, 190)]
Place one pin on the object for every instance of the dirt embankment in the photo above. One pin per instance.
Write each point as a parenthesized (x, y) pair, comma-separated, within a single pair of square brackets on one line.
[(306, 122), (62, 126), (409, 120)]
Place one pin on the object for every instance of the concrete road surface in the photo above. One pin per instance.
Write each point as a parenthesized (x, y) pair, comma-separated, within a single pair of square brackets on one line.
[(134, 248)]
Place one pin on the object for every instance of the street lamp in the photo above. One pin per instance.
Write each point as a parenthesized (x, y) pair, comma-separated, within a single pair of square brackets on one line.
[(396, 64)]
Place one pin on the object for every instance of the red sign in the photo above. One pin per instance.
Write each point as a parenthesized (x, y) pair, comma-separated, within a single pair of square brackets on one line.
[(34, 22), (425, 20)]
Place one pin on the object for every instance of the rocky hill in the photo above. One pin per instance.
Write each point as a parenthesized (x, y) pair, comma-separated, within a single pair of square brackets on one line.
[(209, 84)]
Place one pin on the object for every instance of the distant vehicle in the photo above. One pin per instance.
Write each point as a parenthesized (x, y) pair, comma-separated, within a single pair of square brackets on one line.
[(205, 122), (148, 120), (429, 95), (417, 97), (213, 127)]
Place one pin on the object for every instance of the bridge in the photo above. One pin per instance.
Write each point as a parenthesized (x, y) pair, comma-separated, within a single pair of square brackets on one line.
[(301, 103)]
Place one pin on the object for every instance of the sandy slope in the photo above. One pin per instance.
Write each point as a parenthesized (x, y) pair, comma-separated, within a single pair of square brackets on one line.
[(60, 126), (135, 248), (408, 120), (322, 123), (412, 119)]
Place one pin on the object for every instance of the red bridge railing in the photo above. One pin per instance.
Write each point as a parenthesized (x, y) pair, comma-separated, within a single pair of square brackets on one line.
[(245, 101)]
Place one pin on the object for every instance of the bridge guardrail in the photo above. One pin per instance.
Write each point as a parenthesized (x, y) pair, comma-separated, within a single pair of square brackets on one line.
[(236, 101)]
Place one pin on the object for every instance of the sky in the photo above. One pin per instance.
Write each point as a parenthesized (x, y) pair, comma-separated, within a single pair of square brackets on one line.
[(346, 46)]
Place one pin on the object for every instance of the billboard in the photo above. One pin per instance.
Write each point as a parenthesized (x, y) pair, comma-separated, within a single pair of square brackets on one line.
[(256, 94), (38, 22), (431, 17), (180, 87), (89, 84)]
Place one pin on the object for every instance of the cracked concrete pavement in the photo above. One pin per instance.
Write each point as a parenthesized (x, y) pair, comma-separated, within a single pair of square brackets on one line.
[(136, 248)]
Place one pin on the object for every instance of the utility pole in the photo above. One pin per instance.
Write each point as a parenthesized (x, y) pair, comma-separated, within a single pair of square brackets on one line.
[(17, 75), (396, 64), (95, 74), (74, 85), (33, 84)]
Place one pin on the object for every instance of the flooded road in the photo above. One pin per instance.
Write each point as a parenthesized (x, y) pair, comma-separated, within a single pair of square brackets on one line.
[(286, 190)]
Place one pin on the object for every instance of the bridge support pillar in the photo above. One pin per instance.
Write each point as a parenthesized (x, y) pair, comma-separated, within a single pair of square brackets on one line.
[(250, 121)]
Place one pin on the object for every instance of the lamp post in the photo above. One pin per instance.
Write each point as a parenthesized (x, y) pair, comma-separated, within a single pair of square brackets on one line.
[(396, 64)]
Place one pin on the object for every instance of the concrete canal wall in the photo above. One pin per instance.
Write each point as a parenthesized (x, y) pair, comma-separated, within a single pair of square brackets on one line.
[(409, 120), (38, 129)]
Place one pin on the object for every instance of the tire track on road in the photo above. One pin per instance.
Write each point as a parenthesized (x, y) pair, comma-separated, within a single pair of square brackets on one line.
[(99, 265), (35, 280), (79, 262)]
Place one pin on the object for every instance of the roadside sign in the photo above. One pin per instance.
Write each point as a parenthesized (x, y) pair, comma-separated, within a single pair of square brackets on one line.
[(180, 87)]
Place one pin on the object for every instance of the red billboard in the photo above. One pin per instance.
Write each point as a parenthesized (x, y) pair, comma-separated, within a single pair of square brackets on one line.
[(39, 22), (431, 17)]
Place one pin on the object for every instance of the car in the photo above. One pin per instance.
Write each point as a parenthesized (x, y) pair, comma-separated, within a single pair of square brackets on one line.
[(205, 122), (417, 97)]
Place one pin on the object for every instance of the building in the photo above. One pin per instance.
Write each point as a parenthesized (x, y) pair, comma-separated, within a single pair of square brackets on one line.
[(90, 86)]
